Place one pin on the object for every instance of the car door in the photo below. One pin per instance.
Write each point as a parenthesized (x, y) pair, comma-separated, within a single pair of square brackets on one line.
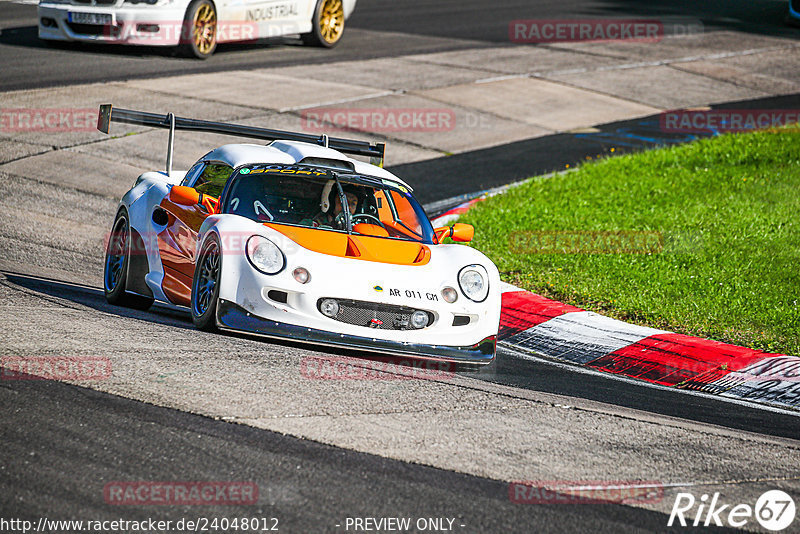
[(273, 18), (177, 240)]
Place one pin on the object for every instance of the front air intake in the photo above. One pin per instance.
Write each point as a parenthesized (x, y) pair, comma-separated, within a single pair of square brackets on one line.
[(373, 314)]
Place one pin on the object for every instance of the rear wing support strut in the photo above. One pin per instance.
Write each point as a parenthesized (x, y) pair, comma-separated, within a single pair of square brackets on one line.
[(171, 143), (108, 114)]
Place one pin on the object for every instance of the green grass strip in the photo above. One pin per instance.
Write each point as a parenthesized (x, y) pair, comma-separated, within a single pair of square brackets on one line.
[(702, 238)]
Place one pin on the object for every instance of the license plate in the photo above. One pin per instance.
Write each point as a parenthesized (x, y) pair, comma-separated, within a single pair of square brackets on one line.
[(99, 19)]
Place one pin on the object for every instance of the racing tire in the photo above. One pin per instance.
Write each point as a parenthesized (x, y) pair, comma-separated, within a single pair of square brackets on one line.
[(115, 271), (199, 30), (205, 285), (327, 24)]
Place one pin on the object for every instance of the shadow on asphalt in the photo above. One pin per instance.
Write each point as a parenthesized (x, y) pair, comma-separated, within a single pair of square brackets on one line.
[(765, 17), (507, 369), (489, 21), (539, 375)]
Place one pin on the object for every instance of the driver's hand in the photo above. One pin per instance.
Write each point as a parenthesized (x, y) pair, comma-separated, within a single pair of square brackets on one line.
[(339, 222)]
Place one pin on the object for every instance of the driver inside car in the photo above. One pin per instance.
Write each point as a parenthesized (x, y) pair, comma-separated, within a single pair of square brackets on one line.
[(331, 214)]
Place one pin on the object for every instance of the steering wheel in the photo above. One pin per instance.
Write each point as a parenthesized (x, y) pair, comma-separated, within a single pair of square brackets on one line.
[(367, 216)]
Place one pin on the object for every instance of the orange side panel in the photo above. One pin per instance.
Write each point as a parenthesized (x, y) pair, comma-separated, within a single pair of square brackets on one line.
[(177, 287), (356, 246), (177, 241), (423, 257), (176, 244), (171, 245)]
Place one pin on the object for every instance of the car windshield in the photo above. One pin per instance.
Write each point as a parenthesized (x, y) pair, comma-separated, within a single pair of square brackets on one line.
[(312, 197)]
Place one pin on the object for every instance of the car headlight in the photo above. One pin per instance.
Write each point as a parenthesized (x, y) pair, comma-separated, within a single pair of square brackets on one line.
[(265, 255), (302, 275), (474, 282), (449, 295), (419, 319), (329, 307)]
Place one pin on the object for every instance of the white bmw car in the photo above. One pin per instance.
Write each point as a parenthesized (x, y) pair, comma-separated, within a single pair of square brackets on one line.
[(295, 239), (196, 26)]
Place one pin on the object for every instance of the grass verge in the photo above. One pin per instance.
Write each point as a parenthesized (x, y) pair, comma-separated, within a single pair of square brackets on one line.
[(712, 247)]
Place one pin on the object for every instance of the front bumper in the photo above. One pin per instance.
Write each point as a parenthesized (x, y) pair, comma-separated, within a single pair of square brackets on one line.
[(232, 317), (125, 27)]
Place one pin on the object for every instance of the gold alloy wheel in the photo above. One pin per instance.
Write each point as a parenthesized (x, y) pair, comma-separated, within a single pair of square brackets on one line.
[(205, 29), (331, 20)]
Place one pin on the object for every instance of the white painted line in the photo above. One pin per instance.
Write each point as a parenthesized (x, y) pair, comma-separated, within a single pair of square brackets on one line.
[(501, 78), (661, 62), (457, 200), (445, 220), (508, 288)]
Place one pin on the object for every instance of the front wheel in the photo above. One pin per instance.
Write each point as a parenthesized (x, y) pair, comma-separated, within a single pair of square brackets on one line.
[(199, 31), (205, 285), (115, 272), (327, 25)]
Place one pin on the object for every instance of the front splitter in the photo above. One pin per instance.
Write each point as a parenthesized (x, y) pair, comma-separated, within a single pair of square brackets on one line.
[(234, 318)]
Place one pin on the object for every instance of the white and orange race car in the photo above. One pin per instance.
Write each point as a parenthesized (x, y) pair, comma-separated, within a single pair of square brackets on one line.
[(294, 239)]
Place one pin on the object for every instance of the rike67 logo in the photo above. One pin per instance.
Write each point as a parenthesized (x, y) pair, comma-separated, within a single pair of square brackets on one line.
[(774, 510)]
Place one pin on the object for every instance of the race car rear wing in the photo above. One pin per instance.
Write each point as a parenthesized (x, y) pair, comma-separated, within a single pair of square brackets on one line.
[(109, 114)]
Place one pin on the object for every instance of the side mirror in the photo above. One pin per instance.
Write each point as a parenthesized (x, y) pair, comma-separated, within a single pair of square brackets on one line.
[(463, 232), (184, 196), (460, 232)]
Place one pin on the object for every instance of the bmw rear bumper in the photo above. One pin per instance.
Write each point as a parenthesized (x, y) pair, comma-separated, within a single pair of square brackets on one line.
[(234, 318)]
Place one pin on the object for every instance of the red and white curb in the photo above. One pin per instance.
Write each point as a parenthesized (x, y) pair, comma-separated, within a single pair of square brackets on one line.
[(532, 324)]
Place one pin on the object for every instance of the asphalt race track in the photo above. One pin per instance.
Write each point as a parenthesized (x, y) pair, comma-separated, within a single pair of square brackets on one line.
[(379, 28), (309, 487), (219, 414)]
